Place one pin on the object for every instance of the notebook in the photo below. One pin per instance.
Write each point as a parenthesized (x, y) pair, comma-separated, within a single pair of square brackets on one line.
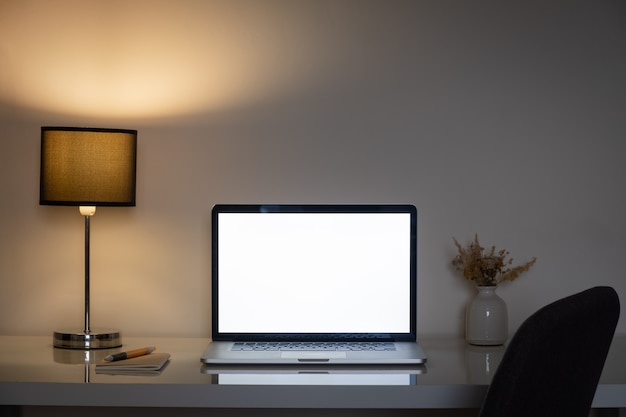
[(302, 275), (151, 364)]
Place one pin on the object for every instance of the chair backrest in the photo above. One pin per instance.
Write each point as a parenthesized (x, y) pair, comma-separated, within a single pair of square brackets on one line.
[(553, 363)]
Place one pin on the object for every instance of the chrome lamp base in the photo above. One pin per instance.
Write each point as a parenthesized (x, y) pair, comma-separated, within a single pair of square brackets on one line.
[(94, 339)]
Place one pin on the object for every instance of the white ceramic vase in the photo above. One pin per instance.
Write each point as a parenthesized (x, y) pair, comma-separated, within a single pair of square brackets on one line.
[(486, 319)]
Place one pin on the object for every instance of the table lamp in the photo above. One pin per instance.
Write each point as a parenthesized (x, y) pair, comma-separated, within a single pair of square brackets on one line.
[(87, 167)]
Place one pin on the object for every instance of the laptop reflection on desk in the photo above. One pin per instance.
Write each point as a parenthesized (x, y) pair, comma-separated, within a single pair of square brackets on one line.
[(315, 375)]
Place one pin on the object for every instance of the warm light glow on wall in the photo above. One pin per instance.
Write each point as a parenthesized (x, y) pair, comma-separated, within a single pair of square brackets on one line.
[(150, 58)]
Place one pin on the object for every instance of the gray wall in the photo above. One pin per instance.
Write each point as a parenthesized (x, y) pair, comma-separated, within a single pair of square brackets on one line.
[(502, 118)]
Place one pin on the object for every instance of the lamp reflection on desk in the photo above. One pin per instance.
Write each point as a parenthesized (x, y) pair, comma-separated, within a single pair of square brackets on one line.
[(87, 167), (80, 357)]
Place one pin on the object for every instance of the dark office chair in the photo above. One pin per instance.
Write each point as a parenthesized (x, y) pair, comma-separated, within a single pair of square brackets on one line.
[(552, 364)]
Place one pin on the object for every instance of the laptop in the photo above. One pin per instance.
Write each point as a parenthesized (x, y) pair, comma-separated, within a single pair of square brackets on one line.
[(314, 284)]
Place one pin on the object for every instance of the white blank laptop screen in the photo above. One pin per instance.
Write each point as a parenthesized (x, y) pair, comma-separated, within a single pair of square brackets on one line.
[(314, 272)]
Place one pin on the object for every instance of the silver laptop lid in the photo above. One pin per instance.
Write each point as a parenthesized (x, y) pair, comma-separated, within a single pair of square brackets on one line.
[(314, 272)]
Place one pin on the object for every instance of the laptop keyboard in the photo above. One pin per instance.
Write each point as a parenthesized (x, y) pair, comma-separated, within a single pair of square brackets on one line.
[(314, 346)]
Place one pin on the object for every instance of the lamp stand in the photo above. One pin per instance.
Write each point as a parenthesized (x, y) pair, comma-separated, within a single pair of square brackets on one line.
[(87, 338)]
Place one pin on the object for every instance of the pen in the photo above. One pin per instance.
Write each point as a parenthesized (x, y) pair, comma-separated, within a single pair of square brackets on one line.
[(130, 354)]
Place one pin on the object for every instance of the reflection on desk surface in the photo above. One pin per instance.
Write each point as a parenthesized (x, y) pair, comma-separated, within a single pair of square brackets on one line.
[(451, 362), (314, 375)]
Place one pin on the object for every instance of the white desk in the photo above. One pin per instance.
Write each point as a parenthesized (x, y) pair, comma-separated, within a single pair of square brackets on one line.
[(33, 373)]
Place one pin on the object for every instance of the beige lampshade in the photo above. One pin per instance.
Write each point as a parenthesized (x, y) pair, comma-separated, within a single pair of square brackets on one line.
[(88, 166)]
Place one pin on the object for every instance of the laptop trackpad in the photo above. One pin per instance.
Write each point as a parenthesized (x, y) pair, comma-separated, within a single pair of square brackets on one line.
[(313, 355)]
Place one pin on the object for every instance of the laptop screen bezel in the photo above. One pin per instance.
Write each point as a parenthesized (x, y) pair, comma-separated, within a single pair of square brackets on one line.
[(217, 335)]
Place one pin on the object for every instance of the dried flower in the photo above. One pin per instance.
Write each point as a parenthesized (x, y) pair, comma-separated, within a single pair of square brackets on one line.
[(487, 268)]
